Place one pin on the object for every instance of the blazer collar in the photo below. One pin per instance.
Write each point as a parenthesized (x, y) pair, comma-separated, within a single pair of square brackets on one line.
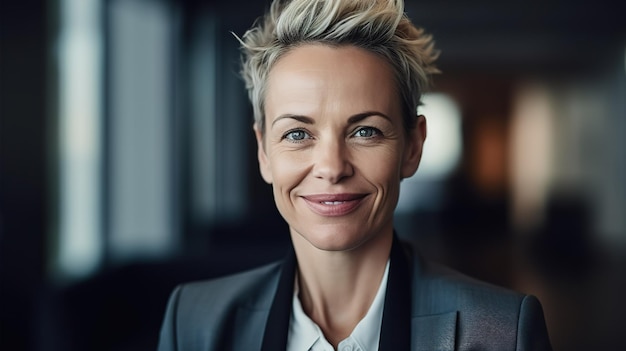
[(401, 329), (277, 326), (431, 328), (395, 331)]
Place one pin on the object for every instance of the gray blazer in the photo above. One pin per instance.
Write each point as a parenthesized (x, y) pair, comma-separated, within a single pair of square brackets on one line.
[(448, 311)]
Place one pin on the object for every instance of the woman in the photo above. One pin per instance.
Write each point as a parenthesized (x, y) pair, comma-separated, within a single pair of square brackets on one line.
[(335, 87)]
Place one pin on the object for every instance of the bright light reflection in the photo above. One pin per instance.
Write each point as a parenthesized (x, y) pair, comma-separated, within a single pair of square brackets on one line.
[(80, 243), (441, 154), (442, 149), (532, 159)]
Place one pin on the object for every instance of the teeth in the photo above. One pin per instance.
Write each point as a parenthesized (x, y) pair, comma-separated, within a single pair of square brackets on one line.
[(332, 202)]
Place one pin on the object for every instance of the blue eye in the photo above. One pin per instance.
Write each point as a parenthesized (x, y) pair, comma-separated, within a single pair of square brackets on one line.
[(366, 132), (296, 135)]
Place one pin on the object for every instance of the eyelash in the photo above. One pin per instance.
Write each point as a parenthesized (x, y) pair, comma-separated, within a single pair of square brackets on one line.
[(286, 135), (375, 133)]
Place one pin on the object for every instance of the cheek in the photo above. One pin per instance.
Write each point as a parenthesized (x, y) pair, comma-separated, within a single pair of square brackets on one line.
[(288, 169), (381, 167)]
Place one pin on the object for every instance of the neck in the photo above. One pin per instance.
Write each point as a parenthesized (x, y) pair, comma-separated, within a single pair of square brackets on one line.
[(338, 287)]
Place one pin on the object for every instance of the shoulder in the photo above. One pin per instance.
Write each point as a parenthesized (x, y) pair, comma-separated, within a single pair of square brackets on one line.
[(485, 313), (241, 288), (458, 287), (437, 287), (198, 314), (213, 302)]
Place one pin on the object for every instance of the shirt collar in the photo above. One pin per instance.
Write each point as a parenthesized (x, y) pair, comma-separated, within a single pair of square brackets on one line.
[(304, 334)]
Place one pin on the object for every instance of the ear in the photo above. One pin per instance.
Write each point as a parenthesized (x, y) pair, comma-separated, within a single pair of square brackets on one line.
[(414, 147), (264, 164)]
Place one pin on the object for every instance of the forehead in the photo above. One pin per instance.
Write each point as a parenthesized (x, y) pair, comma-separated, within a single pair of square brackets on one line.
[(315, 76)]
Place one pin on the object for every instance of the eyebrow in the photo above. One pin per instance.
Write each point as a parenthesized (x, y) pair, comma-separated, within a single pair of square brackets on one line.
[(363, 115), (353, 119), (300, 118)]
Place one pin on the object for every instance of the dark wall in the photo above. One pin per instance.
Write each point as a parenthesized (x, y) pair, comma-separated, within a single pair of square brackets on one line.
[(24, 143)]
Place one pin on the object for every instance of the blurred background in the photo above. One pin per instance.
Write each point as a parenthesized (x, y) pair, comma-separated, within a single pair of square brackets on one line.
[(128, 162)]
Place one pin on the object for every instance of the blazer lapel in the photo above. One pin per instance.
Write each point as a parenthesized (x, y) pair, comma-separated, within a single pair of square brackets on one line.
[(251, 318), (250, 324), (395, 331), (277, 327), (399, 331), (433, 326), (434, 333)]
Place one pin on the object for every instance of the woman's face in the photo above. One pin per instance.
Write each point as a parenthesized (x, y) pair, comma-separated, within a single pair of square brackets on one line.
[(334, 147)]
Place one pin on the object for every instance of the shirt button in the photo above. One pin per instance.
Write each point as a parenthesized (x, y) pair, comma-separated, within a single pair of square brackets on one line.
[(347, 348)]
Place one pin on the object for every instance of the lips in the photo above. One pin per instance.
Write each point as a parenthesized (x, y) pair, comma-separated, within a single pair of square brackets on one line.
[(333, 205)]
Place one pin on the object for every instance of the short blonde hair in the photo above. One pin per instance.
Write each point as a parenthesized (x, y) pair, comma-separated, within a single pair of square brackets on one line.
[(378, 26)]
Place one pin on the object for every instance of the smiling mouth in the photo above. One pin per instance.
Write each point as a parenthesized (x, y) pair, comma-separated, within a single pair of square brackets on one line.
[(334, 205), (332, 202)]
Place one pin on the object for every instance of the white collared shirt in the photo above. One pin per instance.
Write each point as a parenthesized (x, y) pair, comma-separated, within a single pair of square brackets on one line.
[(305, 335)]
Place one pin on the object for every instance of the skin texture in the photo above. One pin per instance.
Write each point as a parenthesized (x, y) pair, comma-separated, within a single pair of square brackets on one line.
[(334, 134)]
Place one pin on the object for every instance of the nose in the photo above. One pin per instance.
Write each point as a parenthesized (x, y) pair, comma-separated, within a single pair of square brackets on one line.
[(332, 162)]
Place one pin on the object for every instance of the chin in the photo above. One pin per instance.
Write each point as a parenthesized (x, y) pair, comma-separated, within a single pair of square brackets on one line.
[(335, 239)]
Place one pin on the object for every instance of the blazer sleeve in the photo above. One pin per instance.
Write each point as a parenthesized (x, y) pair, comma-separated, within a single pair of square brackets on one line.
[(167, 339), (532, 334)]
